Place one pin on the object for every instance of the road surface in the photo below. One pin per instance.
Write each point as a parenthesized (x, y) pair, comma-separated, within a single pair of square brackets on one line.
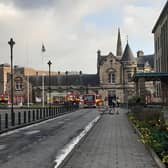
[(38, 145)]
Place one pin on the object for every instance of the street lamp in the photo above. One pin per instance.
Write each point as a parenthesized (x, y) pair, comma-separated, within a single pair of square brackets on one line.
[(12, 43), (49, 64), (66, 73)]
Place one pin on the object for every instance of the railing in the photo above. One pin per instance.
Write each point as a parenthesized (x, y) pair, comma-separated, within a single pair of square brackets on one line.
[(31, 116)]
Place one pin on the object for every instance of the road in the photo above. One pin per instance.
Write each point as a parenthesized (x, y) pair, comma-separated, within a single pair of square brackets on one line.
[(38, 145)]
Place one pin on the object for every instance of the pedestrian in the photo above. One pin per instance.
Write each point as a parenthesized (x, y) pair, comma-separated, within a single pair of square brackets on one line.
[(118, 104), (118, 101), (114, 104)]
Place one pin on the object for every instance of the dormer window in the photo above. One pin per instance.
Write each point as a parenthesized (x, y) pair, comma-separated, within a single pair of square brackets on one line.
[(111, 77)]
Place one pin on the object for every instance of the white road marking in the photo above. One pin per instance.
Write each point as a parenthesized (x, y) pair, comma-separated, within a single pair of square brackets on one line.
[(60, 122), (69, 147), (32, 132)]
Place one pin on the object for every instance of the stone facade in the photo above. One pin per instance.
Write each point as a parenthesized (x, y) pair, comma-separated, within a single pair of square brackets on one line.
[(160, 32)]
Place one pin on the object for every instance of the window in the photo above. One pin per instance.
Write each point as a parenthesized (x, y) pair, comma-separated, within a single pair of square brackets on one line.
[(18, 85), (111, 77), (129, 77)]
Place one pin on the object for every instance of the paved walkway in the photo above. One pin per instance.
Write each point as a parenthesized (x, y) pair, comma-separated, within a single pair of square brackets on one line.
[(112, 143)]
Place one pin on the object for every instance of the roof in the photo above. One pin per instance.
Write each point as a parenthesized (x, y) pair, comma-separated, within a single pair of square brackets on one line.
[(128, 55), (161, 15), (119, 45), (141, 60), (151, 76), (102, 59), (64, 80)]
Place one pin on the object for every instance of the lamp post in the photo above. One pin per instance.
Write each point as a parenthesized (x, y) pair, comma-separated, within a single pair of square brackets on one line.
[(49, 64), (12, 43), (66, 73)]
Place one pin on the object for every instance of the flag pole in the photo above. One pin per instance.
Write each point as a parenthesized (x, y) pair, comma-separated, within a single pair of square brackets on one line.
[(28, 99), (28, 91), (43, 89), (42, 51)]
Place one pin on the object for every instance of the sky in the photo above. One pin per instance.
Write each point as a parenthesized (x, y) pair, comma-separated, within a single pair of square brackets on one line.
[(73, 30)]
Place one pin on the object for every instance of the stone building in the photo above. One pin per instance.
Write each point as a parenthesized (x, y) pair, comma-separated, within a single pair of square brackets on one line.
[(160, 31), (113, 77)]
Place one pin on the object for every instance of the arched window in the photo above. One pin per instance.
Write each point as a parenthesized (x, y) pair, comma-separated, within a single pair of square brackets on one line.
[(111, 77)]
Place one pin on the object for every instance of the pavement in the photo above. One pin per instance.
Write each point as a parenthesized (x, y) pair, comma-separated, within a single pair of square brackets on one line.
[(112, 143)]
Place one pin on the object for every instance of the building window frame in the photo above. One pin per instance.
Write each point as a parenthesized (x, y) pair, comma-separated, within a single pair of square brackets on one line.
[(18, 85), (112, 77)]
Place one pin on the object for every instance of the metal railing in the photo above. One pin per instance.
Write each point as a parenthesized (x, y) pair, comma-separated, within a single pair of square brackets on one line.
[(31, 116)]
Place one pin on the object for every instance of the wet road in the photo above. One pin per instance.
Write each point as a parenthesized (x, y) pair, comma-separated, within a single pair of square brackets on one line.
[(38, 145)]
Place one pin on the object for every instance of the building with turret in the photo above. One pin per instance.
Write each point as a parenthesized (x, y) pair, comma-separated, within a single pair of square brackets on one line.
[(113, 78)]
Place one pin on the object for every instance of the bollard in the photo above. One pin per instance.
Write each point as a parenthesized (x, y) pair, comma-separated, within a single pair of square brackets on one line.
[(19, 118), (24, 117), (43, 113), (33, 115), (40, 113), (49, 111), (13, 119), (29, 116), (6, 120), (0, 122), (54, 112), (37, 114)]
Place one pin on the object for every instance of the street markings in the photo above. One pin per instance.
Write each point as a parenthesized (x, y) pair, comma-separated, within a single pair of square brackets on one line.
[(32, 132), (69, 147)]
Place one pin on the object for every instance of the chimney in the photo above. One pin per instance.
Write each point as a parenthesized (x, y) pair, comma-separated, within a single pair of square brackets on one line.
[(140, 53), (98, 53)]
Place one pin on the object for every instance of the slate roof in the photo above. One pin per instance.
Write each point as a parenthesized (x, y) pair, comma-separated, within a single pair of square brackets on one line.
[(141, 60), (103, 58), (64, 80), (128, 55)]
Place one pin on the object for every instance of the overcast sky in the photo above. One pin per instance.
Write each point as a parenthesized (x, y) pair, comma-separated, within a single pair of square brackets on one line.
[(73, 30)]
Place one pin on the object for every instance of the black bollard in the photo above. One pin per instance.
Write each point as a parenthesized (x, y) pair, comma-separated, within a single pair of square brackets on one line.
[(37, 114), (33, 115), (19, 118), (0, 122), (25, 117), (6, 120), (29, 116)]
